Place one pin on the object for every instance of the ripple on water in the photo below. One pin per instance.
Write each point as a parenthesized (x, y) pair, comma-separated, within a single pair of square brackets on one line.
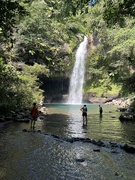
[(39, 156)]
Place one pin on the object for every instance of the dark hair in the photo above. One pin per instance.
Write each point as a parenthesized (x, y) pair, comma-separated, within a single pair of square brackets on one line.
[(85, 105), (34, 104)]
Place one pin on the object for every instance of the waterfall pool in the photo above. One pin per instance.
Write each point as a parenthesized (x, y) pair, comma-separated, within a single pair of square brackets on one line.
[(40, 156), (107, 128)]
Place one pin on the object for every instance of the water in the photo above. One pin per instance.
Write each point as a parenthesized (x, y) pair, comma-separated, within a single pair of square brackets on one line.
[(40, 156), (77, 77), (66, 121)]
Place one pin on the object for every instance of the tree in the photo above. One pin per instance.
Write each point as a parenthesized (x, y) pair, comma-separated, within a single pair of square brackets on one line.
[(116, 10), (113, 58), (18, 88), (10, 13)]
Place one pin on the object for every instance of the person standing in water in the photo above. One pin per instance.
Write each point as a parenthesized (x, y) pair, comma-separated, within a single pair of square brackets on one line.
[(84, 114), (34, 114), (100, 110)]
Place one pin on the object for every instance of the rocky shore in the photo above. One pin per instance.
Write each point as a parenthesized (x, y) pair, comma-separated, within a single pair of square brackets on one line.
[(99, 143), (109, 99), (22, 115)]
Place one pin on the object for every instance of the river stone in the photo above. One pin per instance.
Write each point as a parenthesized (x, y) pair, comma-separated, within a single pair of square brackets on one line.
[(24, 130), (80, 160), (96, 150), (129, 149)]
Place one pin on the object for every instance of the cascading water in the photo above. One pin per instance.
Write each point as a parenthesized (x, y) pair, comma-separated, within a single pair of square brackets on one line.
[(77, 77)]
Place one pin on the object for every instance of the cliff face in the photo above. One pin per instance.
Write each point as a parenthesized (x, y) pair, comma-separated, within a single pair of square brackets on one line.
[(93, 42), (55, 89)]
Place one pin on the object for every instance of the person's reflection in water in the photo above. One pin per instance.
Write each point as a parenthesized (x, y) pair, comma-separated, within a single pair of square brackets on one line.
[(84, 128), (100, 117)]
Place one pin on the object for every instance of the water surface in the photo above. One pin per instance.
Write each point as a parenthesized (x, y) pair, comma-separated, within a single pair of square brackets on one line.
[(66, 120), (36, 155)]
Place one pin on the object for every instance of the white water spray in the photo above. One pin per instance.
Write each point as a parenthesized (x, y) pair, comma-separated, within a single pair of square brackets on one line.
[(77, 77)]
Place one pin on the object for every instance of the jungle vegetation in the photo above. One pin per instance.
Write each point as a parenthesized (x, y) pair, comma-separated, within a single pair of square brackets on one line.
[(40, 37)]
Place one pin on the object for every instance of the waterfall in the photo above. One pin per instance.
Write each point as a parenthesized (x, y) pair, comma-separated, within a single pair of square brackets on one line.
[(77, 76)]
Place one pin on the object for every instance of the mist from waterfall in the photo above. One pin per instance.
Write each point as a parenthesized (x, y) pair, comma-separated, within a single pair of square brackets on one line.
[(77, 76)]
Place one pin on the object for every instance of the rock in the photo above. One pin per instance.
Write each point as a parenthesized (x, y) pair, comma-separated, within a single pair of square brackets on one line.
[(99, 143), (70, 140), (116, 174), (80, 160), (127, 116), (55, 136), (96, 150), (122, 109), (97, 100), (114, 151), (129, 149), (93, 141), (24, 130), (87, 140), (112, 96), (9, 118), (113, 144), (39, 131)]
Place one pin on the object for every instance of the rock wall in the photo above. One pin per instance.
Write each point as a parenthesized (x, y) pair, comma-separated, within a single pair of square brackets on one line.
[(55, 89)]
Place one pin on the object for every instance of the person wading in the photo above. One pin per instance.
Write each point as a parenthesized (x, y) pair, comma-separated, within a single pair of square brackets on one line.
[(34, 115), (84, 114), (100, 110)]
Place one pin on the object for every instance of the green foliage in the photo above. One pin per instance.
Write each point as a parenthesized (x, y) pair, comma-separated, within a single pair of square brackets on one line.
[(47, 37), (113, 59), (20, 89), (30, 83), (123, 41), (103, 89), (73, 7), (115, 11), (9, 83), (10, 12), (128, 85)]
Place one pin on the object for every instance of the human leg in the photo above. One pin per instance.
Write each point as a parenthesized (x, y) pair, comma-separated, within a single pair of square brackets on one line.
[(31, 122), (34, 124), (83, 120), (86, 119), (34, 121)]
